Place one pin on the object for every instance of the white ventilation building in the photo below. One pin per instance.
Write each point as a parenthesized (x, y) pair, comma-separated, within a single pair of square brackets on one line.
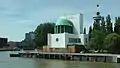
[(68, 30)]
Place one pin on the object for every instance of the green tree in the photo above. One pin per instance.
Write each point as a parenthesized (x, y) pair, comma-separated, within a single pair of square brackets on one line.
[(117, 25), (97, 39), (90, 40), (90, 30), (41, 33), (109, 25), (103, 26), (96, 25), (112, 43), (84, 30)]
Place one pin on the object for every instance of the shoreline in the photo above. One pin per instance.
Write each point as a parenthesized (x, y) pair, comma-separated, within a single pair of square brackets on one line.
[(9, 50)]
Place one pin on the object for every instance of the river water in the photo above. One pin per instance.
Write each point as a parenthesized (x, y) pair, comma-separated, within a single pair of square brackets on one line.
[(7, 62)]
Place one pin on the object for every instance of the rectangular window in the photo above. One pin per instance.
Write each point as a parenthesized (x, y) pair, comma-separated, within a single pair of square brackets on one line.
[(74, 40), (62, 29), (79, 40)]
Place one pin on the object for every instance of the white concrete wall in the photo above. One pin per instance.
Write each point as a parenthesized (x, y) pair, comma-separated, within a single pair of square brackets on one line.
[(64, 40), (81, 36), (48, 39), (67, 36), (81, 23), (57, 44)]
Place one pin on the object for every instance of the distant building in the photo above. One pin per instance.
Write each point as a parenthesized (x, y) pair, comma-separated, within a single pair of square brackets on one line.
[(3, 42), (29, 36), (28, 42), (12, 44)]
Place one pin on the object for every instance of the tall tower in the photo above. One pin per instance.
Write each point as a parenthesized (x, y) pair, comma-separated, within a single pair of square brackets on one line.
[(97, 19)]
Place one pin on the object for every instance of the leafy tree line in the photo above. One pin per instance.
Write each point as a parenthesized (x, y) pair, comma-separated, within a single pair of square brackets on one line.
[(103, 37), (41, 33)]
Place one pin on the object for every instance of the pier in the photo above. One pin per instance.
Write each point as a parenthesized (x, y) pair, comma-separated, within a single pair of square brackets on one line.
[(108, 58)]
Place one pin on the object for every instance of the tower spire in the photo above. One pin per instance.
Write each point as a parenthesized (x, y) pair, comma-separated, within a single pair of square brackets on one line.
[(97, 8), (98, 13), (98, 16)]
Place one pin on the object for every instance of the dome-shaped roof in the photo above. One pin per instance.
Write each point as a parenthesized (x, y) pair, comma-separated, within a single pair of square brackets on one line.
[(62, 21)]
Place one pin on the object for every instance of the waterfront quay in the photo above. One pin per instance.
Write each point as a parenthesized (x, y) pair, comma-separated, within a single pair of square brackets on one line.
[(108, 58)]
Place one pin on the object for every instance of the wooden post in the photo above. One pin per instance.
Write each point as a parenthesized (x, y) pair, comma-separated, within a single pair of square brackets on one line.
[(48, 56), (80, 58), (87, 58), (105, 59), (54, 56)]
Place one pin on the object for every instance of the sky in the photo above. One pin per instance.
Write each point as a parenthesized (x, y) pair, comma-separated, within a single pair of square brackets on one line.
[(18, 17)]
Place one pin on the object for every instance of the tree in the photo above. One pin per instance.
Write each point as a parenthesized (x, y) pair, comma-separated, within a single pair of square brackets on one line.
[(112, 43), (103, 26), (97, 39), (117, 25), (41, 33), (84, 30), (90, 40), (96, 25), (90, 30), (109, 25)]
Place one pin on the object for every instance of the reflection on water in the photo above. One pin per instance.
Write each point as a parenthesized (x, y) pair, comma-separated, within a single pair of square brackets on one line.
[(7, 62)]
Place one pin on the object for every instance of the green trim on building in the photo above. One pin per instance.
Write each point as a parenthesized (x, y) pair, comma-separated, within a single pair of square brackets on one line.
[(64, 22), (63, 25)]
